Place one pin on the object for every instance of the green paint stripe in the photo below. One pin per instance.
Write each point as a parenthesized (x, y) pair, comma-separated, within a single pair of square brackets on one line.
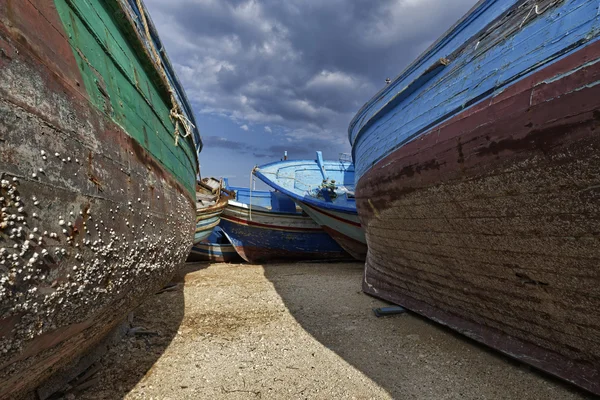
[(123, 83)]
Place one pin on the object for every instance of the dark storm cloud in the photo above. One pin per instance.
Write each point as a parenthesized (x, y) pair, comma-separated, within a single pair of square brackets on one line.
[(261, 155), (301, 67), (295, 149), (302, 149), (223, 143)]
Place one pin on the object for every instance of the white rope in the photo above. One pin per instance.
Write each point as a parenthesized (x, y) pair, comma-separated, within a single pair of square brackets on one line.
[(175, 113), (178, 117), (536, 8)]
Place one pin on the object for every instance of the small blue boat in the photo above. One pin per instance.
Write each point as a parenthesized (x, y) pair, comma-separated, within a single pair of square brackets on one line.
[(325, 191), (267, 226), (215, 248)]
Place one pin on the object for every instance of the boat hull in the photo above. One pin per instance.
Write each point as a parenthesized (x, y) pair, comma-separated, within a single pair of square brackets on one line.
[(343, 227), (489, 223), (98, 227), (261, 236), (302, 181), (142, 245), (213, 252), (207, 219)]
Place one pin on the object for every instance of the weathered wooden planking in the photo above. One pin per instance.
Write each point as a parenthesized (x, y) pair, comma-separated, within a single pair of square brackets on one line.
[(94, 218), (207, 218), (498, 43), (488, 222), (343, 227)]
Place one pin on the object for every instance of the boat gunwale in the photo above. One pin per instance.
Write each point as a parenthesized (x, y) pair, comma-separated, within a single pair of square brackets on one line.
[(417, 62), (221, 204), (472, 102), (263, 210)]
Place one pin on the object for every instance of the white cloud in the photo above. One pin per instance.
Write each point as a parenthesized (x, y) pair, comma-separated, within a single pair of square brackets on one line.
[(268, 129), (244, 127), (331, 79)]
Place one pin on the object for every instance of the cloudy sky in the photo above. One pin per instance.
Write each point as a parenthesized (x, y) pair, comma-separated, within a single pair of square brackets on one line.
[(265, 76)]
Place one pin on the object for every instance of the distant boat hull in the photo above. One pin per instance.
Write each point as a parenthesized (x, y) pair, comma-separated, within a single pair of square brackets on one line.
[(213, 252), (489, 222), (343, 227), (261, 236)]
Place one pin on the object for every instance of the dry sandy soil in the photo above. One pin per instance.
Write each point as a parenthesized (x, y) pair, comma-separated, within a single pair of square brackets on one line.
[(299, 331)]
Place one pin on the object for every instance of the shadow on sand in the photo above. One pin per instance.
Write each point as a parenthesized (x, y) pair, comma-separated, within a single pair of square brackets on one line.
[(155, 325), (406, 355)]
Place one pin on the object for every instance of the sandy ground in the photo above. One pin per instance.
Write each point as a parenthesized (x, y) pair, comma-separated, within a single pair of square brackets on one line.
[(299, 331)]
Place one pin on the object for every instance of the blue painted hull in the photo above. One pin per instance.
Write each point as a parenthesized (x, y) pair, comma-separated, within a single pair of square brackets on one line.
[(207, 219), (214, 252), (215, 248), (475, 68), (259, 245), (262, 235), (204, 228)]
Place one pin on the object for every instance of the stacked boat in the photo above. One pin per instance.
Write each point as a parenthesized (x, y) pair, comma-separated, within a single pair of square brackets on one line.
[(309, 215), (211, 200), (478, 184)]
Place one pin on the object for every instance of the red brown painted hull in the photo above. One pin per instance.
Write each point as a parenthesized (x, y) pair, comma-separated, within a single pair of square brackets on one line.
[(490, 223), (128, 223), (353, 247)]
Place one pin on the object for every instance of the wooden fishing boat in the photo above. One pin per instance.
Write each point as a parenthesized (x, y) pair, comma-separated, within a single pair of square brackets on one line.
[(325, 191), (266, 226), (98, 169), (210, 203), (215, 248), (478, 183)]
